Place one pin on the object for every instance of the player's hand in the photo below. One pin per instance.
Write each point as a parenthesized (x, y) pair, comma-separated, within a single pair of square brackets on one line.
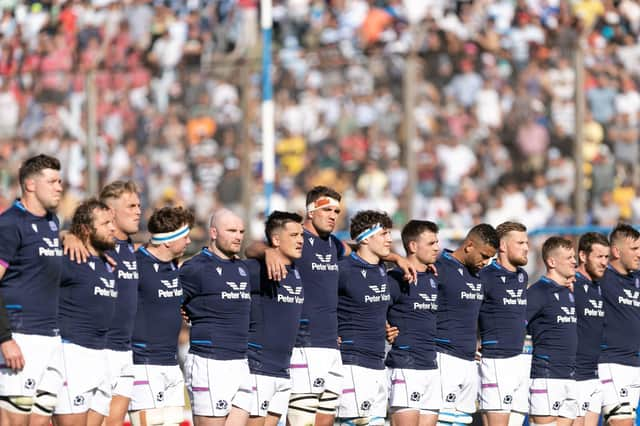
[(276, 264), (184, 315), (74, 248), (12, 355), (392, 332), (410, 272), (432, 268)]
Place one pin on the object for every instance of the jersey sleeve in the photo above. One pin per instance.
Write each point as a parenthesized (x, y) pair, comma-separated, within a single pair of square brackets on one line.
[(339, 246), (254, 275), (536, 300), (395, 284), (9, 241), (190, 279)]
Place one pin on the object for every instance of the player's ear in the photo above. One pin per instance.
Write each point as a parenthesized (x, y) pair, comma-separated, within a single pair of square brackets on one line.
[(582, 257), (413, 247), (213, 233), (275, 239)]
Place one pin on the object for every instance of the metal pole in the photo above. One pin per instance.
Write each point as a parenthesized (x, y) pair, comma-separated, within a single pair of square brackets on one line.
[(246, 143), (268, 126), (92, 132), (580, 196), (410, 125)]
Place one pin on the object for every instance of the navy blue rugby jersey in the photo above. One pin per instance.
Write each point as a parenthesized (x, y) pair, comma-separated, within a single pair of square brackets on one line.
[(31, 252), (319, 270), (552, 324), (590, 311), (460, 295), (276, 307), (126, 272), (158, 319), (88, 294), (413, 310), (503, 314), (363, 300), (621, 333), (217, 299)]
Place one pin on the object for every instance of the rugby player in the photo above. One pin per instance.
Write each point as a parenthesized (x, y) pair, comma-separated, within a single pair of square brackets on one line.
[(619, 363), (593, 258), (30, 269), (414, 397), (363, 299), (217, 301), (552, 324), (158, 391), (460, 295), (276, 307), (504, 369), (88, 295)]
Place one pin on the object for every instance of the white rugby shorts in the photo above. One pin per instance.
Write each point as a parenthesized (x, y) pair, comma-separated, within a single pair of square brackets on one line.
[(315, 370), (270, 395), (364, 393), (419, 389), (86, 373), (620, 383), (157, 386), (553, 397), (216, 385), (43, 369), (121, 374), (589, 396), (459, 383), (504, 384)]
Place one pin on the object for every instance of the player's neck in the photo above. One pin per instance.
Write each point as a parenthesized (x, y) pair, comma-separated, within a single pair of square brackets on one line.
[(619, 267), (459, 255), (413, 260), (121, 235), (308, 225), (160, 252), (504, 262), (92, 250), (583, 271), (367, 255), (553, 275), (213, 248), (285, 258), (33, 206)]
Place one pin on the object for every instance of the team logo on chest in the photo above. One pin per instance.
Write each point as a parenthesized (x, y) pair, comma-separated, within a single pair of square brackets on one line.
[(474, 293), (52, 248), (568, 317), (293, 296), (379, 294), (514, 297), (171, 287), (595, 310), (237, 293), (324, 263), (427, 303), (108, 288), (130, 270), (630, 298)]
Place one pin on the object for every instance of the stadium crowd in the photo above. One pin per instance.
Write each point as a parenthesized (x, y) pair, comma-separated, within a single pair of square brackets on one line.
[(495, 102)]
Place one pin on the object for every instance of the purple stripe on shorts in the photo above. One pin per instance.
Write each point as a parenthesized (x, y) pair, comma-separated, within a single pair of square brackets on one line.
[(4, 263), (352, 390), (199, 389), (299, 366), (140, 382), (489, 385), (605, 381), (538, 391), (254, 388), (65, 384), (397, 382)]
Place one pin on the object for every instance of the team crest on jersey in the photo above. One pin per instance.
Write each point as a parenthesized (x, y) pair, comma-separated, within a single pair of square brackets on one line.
[(364, 273), (433, 283), (311, 241), (571, 298), (53, 226), (520, 277), (219, 270), (242, 272), (34, 227)]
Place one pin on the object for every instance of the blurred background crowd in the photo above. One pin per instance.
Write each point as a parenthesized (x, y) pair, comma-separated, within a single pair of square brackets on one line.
[(178, 103)]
